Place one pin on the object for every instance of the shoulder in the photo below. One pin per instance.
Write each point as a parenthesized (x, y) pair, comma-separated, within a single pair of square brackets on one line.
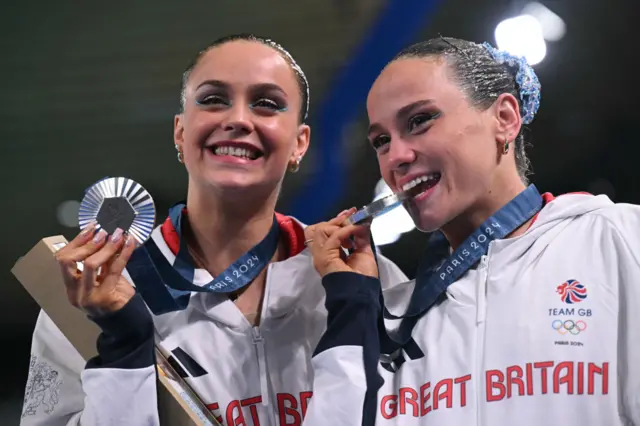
[(610, 227), (621, 223), (621, 216), (595, 211), (613, 218), (585, 205)]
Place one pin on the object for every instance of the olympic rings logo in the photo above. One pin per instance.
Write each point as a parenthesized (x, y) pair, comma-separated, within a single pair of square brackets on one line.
[(569, 326)]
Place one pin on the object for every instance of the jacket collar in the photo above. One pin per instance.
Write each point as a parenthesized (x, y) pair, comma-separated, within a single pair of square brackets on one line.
[(292, 235)]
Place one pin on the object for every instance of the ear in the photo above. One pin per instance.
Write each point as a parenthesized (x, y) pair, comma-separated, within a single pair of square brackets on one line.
[(507, 116), (302, 143), (178, 130)]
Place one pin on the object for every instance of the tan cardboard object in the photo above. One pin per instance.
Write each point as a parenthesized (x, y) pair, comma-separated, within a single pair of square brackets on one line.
[(39, 274)]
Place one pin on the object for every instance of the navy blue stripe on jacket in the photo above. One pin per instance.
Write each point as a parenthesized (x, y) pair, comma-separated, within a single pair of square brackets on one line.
[(353, 306), (127, 338)]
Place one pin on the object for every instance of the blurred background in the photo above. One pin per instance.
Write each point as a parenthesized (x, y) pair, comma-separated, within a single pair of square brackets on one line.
[(90, 90)]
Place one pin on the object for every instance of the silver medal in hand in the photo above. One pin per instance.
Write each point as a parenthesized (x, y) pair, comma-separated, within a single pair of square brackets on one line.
[(119, 202)]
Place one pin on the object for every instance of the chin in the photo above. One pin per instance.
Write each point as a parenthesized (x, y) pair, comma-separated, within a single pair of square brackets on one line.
[(226, 180), (429, 224), (243, 183), (426, 220)]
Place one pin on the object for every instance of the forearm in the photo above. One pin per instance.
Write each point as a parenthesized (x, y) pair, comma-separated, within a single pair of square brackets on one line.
[(346, 360), (120, 383)]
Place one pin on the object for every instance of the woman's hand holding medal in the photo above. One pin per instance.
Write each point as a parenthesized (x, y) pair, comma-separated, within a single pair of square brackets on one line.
[(328, 241), (99, 288)]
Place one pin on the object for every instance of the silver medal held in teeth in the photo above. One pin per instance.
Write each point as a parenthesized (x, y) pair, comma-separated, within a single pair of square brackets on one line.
[(119, 202), (379, 207), (390, 202)]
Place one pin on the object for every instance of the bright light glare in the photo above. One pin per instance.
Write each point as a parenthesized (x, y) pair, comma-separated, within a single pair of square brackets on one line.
[(553, 27), (388, 228), (67, 213), (522, 36)]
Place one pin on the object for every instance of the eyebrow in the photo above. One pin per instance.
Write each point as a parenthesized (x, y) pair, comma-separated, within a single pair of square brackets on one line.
[(254, 87), (402, 112)]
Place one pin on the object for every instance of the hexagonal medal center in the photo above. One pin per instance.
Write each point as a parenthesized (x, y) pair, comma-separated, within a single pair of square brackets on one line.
[(116, 212)]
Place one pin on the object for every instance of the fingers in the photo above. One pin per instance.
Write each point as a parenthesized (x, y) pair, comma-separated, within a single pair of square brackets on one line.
[(82, 238), (116, 264), (69, 254), (342, 237), (333, 237), (310, 231), (361, 238), (339, 220), (84, 245), (100, 258), (64, 255)]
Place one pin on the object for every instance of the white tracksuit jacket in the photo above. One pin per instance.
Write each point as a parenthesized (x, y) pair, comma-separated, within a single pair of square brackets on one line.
[(247, 375), (503, 348)]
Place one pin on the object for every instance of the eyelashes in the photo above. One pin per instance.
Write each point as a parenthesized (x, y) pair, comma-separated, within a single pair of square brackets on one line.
[(210, 100), (416, 124), (269, 104), (380, 141), (262, 103), (418, 120)]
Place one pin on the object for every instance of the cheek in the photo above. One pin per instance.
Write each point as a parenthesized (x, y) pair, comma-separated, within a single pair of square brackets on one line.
[(471, 161), (385, 171), (196, 126), (275, 132), (278, 136)]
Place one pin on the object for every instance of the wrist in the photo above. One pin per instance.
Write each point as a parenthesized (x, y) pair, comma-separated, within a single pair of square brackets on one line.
[(336, 268), (133, 319), (110, 308), (127, 338)]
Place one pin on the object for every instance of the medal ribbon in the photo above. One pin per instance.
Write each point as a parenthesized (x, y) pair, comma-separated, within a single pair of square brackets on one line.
[(438, 269), (167, 288)]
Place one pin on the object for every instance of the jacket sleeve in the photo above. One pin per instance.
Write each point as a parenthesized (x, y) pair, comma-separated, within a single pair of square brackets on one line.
[(116, 387), (345, 362), (624, 223)]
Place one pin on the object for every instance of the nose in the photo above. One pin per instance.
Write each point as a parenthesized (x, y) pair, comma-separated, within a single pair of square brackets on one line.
[(400, 156), (238, 120)]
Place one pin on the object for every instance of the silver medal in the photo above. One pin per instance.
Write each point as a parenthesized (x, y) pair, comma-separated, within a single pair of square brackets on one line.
[(381, 206), (119, 202)]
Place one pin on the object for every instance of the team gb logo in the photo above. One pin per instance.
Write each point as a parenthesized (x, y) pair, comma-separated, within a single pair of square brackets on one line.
[(571, 291)]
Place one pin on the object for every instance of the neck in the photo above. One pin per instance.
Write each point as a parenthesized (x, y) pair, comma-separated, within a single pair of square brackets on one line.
[(497, 196), (222, 230)]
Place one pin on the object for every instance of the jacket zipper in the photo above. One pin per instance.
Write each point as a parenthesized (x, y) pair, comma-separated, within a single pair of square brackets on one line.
[(258, 342), (481, 315)]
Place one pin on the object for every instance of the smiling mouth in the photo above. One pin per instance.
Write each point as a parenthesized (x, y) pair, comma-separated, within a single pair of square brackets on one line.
[(422, 184), (238, 151)]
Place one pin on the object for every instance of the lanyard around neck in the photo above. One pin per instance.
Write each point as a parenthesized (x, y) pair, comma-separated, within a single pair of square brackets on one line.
[(439, 269), (166, 287)]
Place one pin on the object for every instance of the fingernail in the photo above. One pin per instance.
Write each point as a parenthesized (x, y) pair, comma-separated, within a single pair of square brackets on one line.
[(128, 240), (90, 227), (117, 235), (99, 238)]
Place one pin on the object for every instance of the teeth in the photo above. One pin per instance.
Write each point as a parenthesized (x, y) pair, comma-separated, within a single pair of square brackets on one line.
[(420, 179), (235, 152)]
